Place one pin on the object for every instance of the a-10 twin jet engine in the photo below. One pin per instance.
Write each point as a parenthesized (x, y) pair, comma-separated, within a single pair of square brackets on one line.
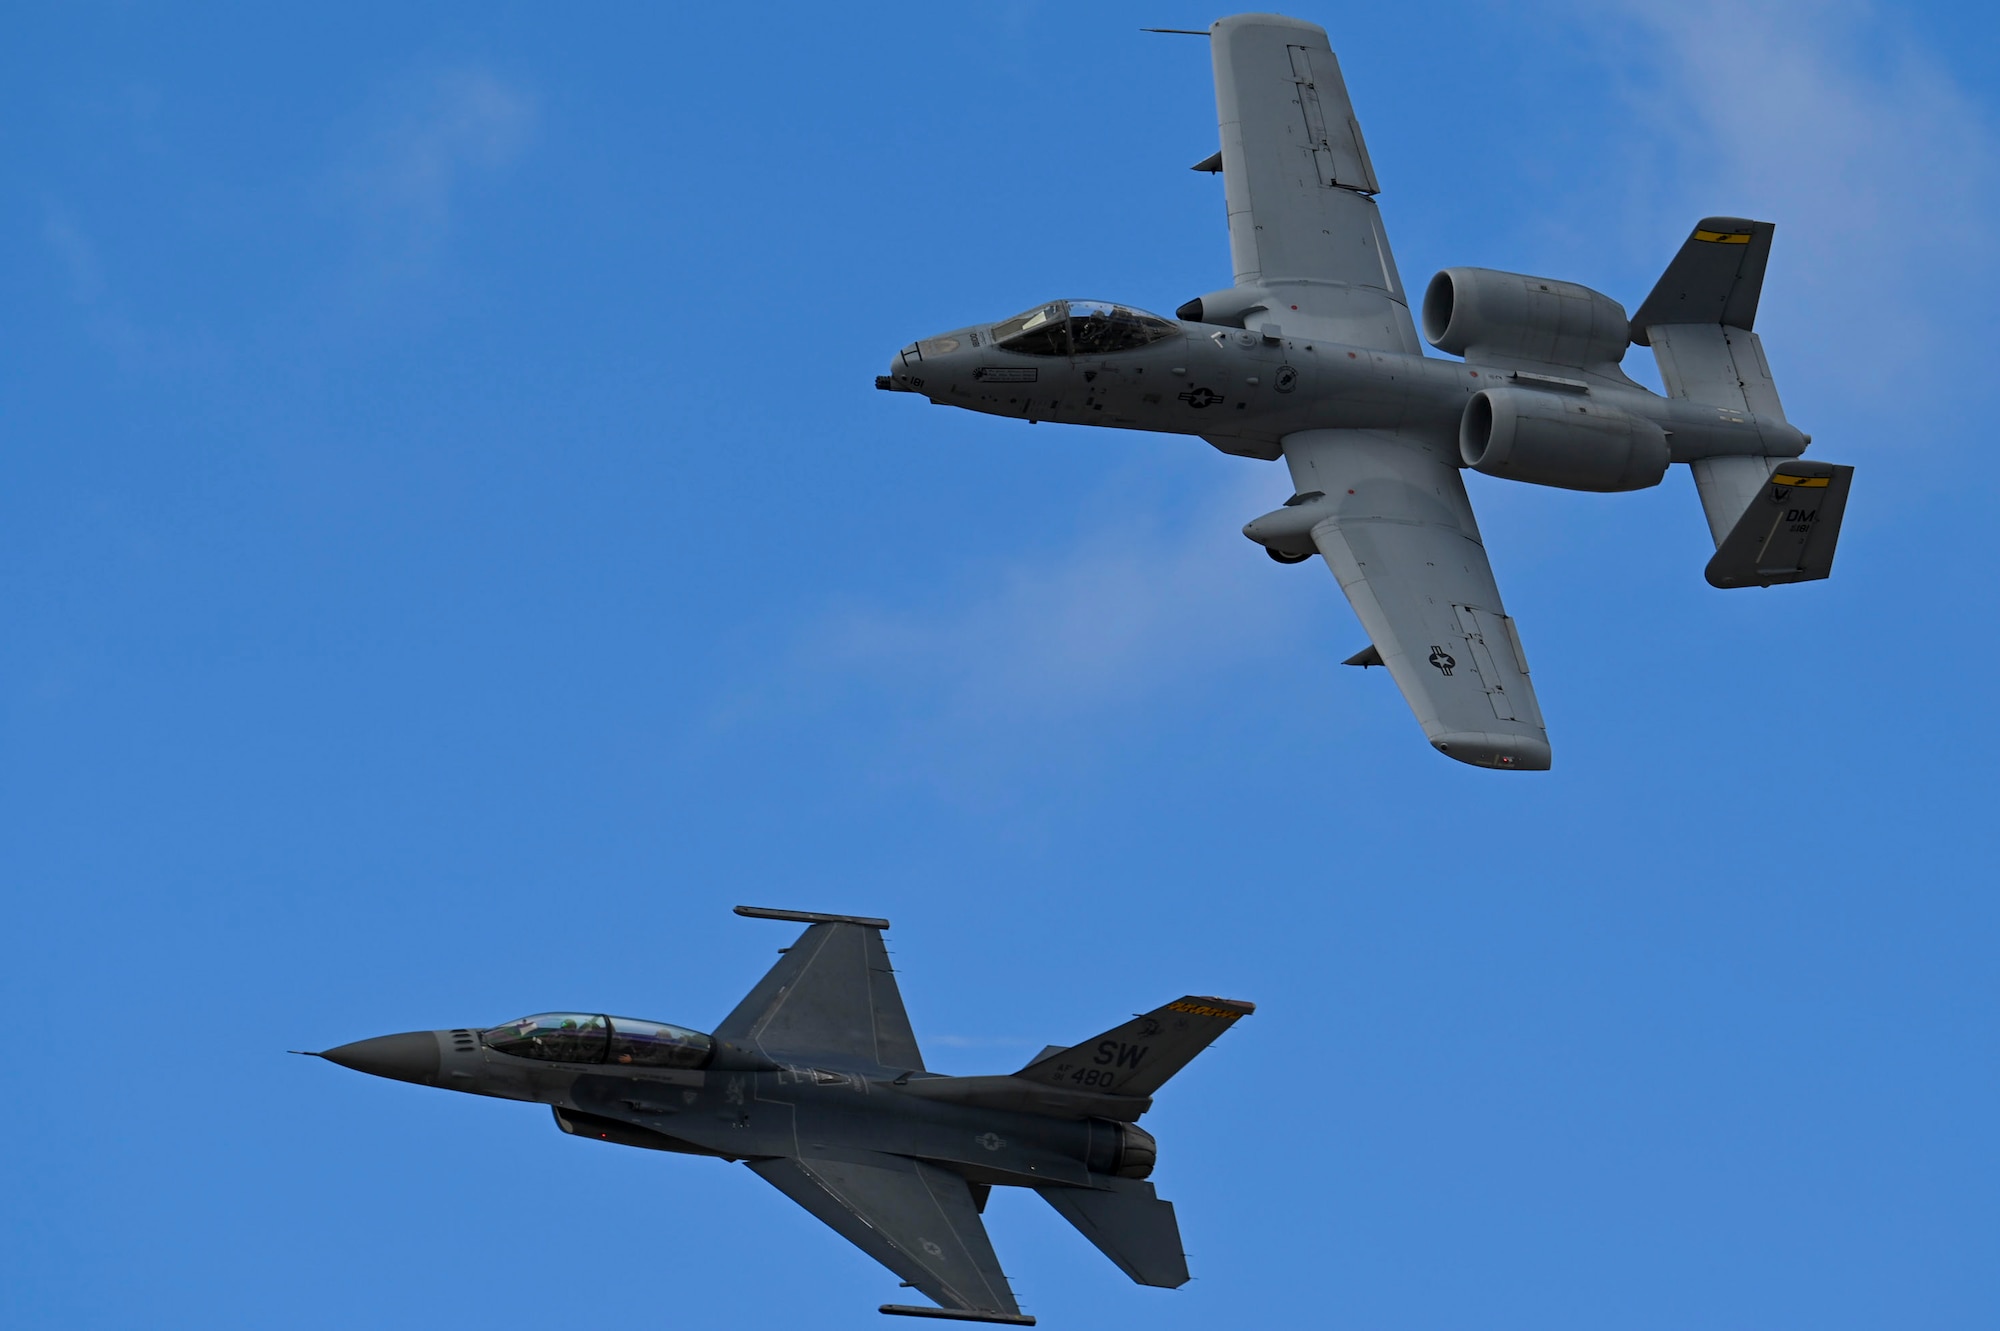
[(1313, 357)]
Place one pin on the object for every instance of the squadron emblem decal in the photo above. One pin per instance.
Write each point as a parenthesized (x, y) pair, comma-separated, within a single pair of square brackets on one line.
[(1443, 660), (1287, 380)]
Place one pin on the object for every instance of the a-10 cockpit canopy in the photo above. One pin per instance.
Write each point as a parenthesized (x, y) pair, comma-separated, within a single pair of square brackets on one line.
[(1081, 328), (590, 1037)]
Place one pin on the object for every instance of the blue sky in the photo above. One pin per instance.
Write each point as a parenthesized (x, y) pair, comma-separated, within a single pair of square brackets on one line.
[(453, 552)]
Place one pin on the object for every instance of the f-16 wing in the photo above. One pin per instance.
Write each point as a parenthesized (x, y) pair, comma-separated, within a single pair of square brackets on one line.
[(832, 999), (1302, 224), (916, 1219), (1390, 517)]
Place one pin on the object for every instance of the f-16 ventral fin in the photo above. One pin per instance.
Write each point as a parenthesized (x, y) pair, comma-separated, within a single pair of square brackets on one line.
[(1138, 1057), (831, 999)]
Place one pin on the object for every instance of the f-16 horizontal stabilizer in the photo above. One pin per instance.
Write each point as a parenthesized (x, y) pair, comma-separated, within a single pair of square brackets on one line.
[(1138, 1057), (1128, 1223), (1789, 530)]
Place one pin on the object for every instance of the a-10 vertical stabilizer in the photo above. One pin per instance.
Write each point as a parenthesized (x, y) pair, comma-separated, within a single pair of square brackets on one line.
[(1698, 321)]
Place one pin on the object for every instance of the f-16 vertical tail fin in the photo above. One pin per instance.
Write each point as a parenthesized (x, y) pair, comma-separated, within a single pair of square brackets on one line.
[(1130, 1224), (1138, 1057)]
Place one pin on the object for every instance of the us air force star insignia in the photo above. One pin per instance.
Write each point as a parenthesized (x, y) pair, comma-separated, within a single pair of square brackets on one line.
[(932, 1248), (1200, 397), (1443, 660), (1287, 380), (990, 1141)]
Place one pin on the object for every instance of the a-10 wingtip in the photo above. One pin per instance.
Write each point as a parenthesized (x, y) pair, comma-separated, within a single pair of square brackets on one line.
[(1506, 753)]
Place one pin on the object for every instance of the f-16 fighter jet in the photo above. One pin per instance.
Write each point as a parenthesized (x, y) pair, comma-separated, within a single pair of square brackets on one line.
[(1313, 357), (815, 1082)]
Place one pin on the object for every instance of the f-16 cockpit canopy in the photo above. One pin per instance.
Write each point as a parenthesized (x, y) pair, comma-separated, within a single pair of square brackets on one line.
[(588, 1037), (1081, 328)]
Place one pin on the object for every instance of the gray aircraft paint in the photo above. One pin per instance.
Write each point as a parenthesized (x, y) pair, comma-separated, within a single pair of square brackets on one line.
[(1313, 356), (815, 1081)]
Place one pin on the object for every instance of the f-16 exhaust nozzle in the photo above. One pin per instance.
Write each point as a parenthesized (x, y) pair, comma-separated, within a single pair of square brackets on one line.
[(412, 1056)]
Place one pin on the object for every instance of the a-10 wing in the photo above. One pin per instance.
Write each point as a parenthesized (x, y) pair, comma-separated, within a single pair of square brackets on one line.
[(1398, 531), (1399, 535), (1302, 220)]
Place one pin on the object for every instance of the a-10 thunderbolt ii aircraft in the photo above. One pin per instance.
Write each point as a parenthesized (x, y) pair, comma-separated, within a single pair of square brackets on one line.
[(815, 1082), (1313, 357)]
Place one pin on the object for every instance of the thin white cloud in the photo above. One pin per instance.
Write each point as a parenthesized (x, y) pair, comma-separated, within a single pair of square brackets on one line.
[(81, 263), (1131, 610), (75, 252), (1877, 165), (406, 175)]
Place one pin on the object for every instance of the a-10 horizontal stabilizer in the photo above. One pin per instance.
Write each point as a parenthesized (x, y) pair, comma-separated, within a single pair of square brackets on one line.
[(1138, 1057), (1789, 531), (1128, 1223)]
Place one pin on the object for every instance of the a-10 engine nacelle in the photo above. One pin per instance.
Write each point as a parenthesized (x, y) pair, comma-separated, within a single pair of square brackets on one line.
[(1542, 436), (1554, 438), (1482, 314)]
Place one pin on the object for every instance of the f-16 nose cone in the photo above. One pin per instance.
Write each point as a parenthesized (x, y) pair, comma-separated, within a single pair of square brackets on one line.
[(412, 1056)]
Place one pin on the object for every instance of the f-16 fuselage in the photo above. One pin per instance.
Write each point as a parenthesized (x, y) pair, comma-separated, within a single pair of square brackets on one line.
[(737, 1104)]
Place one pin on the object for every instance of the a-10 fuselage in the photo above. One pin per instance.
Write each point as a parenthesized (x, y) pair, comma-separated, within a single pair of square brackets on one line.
[(745, 1106), (1244, 390)]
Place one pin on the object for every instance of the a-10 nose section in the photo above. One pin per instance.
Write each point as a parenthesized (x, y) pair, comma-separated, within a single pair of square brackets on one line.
[(906, 371), (412, 1056), (930, 366)]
